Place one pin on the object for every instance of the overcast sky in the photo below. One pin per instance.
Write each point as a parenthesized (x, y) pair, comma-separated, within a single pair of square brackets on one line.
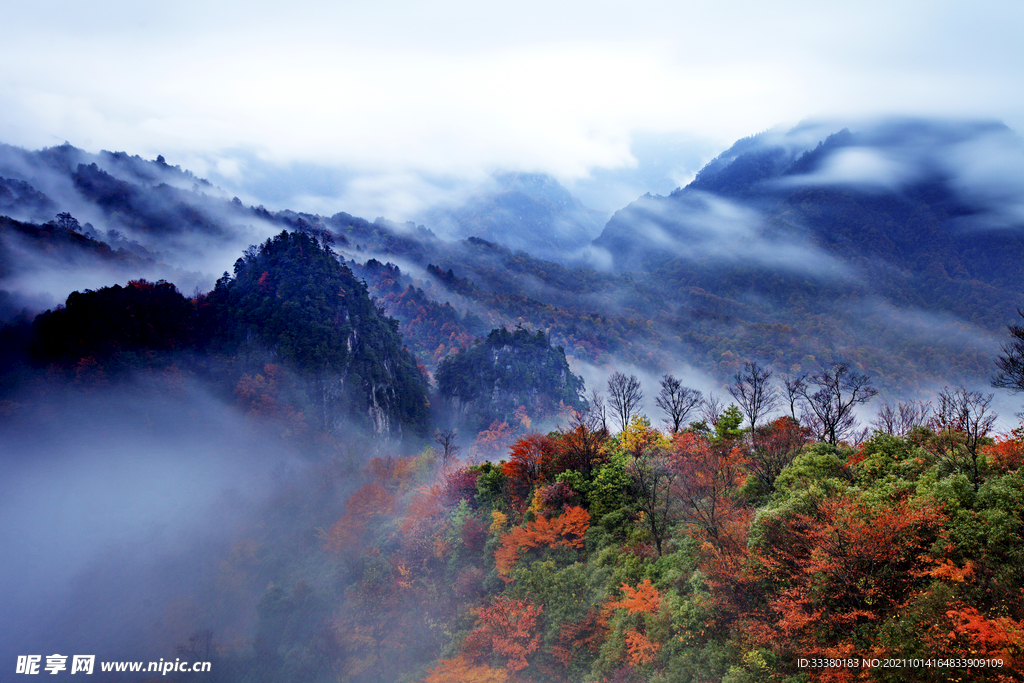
[(386, 98)]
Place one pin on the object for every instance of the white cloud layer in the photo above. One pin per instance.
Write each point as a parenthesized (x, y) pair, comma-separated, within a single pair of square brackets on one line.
[(458, 89)]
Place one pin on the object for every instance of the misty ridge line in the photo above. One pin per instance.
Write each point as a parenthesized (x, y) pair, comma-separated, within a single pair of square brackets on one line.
[(299, 220)]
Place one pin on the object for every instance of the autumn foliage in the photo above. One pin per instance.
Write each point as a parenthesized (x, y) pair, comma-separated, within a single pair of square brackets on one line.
[(508, 628), (645, 598), (836, 554), (371, 499), (566, 530), (462, 670), (530, 461), (840, 570)]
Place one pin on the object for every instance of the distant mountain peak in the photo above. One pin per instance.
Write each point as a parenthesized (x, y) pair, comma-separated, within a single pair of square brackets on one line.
[(531, 212)]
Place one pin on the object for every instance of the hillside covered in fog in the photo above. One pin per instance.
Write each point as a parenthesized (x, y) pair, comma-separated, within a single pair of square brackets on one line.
[(732, 428), (895, 246)]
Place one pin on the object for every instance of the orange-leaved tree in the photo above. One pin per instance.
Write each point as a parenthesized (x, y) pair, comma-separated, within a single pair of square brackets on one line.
[(508, 628), (838, 571), (639, 606), (709, 475), (371, 499), (529, 463), (463, 670), (493, 441), (566, 530)]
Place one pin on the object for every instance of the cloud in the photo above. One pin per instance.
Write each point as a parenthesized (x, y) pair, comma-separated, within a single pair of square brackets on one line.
[(113, 500), (702, 226), (981, 161), (988, 170), (863, 167), (458, 89)]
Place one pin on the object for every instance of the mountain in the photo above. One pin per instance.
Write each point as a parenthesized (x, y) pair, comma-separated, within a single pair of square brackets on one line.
[(160, 221), (292, 327), (530, 212), (892, 245), (191, 473), (490, 380), (896, 235)]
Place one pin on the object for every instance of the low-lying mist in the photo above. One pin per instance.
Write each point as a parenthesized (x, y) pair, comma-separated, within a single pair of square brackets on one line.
[(118, 507)]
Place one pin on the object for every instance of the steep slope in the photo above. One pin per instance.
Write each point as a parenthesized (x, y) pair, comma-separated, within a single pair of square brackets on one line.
[(504, 372), (290, 308), (291, 302)]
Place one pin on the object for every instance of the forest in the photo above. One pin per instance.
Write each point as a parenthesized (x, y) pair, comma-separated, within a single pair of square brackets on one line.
[(767, 535), (744, 546), (740, 546), (784, 463)]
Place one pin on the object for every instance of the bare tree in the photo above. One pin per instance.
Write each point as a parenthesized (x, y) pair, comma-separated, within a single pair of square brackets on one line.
[(1011, 362), (794, 391), (677, 401), (200, 646), (900, 420), (711, 410), (449, 450), (624, 396), (837, 391), (754, 393), (654, 480), (962, 419), (597, 414)]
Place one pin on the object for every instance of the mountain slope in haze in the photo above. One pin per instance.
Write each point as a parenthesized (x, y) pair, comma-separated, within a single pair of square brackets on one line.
[(894, 246), (179, 226), (489, 381), (909, 193), (906, 225), (290, 312), (524, 211)]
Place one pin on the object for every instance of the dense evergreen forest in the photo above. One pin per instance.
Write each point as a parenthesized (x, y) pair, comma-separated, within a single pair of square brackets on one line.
[(291, 330)]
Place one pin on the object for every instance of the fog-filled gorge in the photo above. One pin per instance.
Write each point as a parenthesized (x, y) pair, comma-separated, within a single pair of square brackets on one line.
[(116, 503)]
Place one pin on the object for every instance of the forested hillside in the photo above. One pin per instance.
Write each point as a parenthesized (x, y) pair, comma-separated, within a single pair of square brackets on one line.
[(506, 372), (717, 552), (291, 329)]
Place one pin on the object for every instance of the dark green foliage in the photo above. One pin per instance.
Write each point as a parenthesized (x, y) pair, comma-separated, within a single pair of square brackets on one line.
[(488, 381), (60, 244), (293, 302), (290, 304), (119, 328)]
